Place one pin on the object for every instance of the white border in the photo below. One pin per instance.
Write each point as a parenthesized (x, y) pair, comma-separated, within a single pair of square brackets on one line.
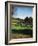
[(34, 25)]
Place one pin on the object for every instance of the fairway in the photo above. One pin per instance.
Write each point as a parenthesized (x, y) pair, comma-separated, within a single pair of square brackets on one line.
[(17, 27)]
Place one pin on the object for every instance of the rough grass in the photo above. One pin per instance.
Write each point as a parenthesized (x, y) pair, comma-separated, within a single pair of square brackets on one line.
[(16, 35)]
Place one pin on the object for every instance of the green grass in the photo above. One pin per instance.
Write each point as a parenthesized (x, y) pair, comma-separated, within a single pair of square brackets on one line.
[(17, 33), (21, 27)]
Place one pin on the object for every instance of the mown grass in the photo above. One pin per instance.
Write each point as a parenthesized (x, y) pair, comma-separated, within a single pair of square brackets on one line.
[(17, 27)]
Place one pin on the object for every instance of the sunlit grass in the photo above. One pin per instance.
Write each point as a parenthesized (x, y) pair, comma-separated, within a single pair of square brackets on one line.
[(21, 27)]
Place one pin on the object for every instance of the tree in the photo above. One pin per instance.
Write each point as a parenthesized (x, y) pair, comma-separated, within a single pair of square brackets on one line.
[(30, 20), (26, 19)]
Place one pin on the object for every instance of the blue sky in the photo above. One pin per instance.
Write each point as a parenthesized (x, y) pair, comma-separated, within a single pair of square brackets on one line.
[(22, 12)]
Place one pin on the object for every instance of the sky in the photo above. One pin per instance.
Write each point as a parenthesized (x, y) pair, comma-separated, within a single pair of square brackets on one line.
[(22, 12)]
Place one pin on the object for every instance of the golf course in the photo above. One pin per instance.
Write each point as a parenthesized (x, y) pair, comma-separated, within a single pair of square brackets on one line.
[(21, 28)]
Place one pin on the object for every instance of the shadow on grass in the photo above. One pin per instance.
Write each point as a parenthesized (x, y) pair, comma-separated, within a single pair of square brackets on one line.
[(23, 31)]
